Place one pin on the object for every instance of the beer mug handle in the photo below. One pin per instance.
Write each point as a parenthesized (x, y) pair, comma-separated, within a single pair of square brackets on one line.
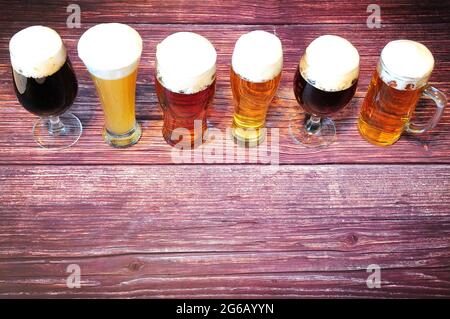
[(441, 101)]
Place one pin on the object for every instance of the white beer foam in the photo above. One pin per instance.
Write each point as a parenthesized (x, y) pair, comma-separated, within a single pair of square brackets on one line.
[(185, 62), (110, 51), (330, 63), (258, 56), (37, 52), (406, 64)]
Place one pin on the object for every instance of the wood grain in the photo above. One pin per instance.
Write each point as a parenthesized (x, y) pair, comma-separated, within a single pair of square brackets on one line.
[(177, 231), (140, 226), (228, 12), (17, 146)]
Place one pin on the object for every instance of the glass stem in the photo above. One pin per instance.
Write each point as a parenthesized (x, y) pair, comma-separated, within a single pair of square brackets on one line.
[(313, 124), (56, 127)]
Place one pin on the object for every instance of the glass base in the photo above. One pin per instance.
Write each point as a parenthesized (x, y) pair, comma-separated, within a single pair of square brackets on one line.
[(248, 137), (322, 137), (123, 140), (66, 136)]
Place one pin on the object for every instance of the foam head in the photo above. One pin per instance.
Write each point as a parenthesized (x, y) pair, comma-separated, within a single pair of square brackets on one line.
[(330, 63), (407, 63), (37, 52), (185, 62), (258, 56), (110, 51)]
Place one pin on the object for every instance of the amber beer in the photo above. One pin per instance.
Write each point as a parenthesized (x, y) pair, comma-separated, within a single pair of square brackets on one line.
[(399, 81), (185, 81), (111, 52), (255, 76)]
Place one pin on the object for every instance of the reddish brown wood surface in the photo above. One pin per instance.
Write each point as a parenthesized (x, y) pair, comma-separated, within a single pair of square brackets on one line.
[(303, 231), (140, 226), (231, 11)]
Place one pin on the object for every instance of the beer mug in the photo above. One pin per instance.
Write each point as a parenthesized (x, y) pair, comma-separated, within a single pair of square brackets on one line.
[(399, 81), (111, 53), (255, 75), (185, 81)]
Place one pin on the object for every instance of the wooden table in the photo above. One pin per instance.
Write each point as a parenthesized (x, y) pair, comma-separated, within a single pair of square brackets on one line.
[(139, 225)]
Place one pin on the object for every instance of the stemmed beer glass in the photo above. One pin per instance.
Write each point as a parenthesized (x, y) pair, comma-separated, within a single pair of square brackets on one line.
[(325, 81)]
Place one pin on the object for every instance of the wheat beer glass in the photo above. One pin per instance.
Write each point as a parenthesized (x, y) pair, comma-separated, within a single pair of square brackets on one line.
[(111, 53), (325, 81), (45, 84), (255, 75), (185, 81), (399, 81)]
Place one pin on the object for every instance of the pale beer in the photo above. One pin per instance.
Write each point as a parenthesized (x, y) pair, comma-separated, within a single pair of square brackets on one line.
[(111, 53)]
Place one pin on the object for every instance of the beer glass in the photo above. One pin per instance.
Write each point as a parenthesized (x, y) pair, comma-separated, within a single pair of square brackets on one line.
[(45, 84), (111, 53), (399, 81), (255, 75), (325, 81), (185, 81)]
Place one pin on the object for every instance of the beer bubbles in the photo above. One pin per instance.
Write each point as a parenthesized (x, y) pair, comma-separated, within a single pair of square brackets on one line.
[(185, 62), (110, 51), (407, 64), (258, 56), (330, 63)]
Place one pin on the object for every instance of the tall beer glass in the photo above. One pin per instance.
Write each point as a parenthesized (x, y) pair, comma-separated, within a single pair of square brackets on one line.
[(399, 81), (185, 80), (255, 75), (325, 82), (45, 85), (111, 53)]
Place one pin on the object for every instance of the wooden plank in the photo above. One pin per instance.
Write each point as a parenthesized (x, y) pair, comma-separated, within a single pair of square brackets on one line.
[(230, 12), (179, 231), (17, 146)]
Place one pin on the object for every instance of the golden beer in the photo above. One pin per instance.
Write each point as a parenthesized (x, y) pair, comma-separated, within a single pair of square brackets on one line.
[(111, 53), (382, 124), (398, 83), (255, 76), (252, 101), (118, 99)]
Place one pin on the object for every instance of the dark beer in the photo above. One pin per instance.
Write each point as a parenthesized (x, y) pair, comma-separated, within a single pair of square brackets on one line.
[(319, 102), (45, 85), (324, 82), (47, 96)]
